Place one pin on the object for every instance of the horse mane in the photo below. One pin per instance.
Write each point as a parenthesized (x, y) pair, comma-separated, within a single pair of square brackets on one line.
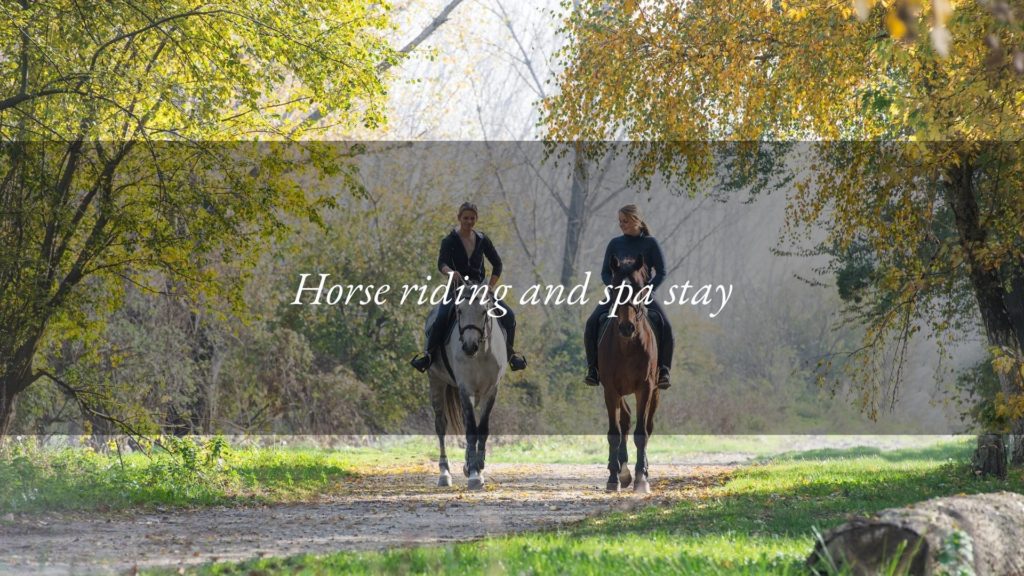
[(627, 267)]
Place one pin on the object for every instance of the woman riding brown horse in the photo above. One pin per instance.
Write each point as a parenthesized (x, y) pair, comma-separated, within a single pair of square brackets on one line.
[(636, 240), (628, 356)]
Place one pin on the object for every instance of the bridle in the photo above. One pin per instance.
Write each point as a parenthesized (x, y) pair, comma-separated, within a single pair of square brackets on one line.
[(463, 329), (639, 308)]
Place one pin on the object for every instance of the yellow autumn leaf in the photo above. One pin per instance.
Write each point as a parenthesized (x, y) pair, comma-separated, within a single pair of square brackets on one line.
[(1002, 364), (896, 27)]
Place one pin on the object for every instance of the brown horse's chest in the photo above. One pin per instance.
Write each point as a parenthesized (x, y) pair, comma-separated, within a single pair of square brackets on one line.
[(628, 364)]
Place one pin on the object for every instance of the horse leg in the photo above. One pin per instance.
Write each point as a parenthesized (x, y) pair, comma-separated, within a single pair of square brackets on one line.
[(652, 407), (470, 468), (483, 430), (640, 436), (440, 427), (624, 477), (612, 403)]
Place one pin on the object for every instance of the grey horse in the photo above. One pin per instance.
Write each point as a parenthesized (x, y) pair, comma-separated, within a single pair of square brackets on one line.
[(463, 398)]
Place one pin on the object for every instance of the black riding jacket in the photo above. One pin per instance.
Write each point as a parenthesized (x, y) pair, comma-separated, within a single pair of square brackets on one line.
[(453, 254), (630, 247)]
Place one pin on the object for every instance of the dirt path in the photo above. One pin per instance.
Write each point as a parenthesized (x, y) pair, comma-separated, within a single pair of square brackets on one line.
[(380, 508)]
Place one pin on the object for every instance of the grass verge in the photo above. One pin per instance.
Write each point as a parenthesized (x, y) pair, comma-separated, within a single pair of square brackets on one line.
[(193, 473)]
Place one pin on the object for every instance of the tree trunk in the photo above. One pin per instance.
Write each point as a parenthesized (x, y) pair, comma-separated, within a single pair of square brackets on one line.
[(15, 377), (576, 219), (979, 534), (1017, 447), (6, 410), (991, 295), (11, 385), (1014, 302)]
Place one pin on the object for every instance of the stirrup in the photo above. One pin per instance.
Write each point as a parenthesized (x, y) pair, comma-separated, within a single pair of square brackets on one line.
[(592, 378), (421, 362)]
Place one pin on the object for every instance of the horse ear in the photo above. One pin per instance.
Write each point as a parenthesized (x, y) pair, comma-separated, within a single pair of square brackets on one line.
[(640, 261), (615, 263)]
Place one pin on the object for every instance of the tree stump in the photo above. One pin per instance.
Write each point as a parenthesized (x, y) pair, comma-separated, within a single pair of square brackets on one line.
[(977, 535), (989, 457)]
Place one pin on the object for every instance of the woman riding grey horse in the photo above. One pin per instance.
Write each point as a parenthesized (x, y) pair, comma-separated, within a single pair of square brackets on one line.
[(636, 241), (463, 391), (463, 251)]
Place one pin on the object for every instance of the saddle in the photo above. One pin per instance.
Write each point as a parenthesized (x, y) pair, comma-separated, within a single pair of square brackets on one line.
[(450, 327), (431, 319)]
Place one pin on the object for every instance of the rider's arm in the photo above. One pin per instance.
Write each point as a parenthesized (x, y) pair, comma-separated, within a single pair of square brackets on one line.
[(606, 267), (445, 263), (657, 261), (492, 256)]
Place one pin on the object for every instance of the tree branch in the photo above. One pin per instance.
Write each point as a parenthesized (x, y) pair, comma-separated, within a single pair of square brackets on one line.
[(315, 115)]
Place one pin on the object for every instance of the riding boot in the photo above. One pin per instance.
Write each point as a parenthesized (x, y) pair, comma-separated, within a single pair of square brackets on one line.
[(423, 361), (590, 345), (666, 345), (435, 334), (663, 381), (515, 361)]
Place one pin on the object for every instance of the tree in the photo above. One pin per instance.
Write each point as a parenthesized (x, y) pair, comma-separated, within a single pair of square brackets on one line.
[(938, 218), (89, 197)]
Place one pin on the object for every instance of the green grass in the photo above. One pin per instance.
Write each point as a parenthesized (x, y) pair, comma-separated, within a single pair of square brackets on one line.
[(758, 522), (34, 479)]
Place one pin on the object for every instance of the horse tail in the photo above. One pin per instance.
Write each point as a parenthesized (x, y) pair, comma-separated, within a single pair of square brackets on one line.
[(453, 410)]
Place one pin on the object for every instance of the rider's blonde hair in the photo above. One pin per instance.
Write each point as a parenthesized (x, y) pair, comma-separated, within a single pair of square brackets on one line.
[(632, 211)]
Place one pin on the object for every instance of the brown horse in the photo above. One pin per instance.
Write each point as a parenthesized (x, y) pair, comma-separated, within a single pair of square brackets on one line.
[(627, 359)]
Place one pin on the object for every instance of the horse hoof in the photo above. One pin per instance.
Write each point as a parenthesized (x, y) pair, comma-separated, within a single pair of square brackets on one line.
[(445, 480), (642, 486), (612, 487), (625, 478), (476, 482)]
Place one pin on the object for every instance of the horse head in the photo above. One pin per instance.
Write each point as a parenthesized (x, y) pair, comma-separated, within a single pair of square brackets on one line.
[(472, 319), (634, 273)]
